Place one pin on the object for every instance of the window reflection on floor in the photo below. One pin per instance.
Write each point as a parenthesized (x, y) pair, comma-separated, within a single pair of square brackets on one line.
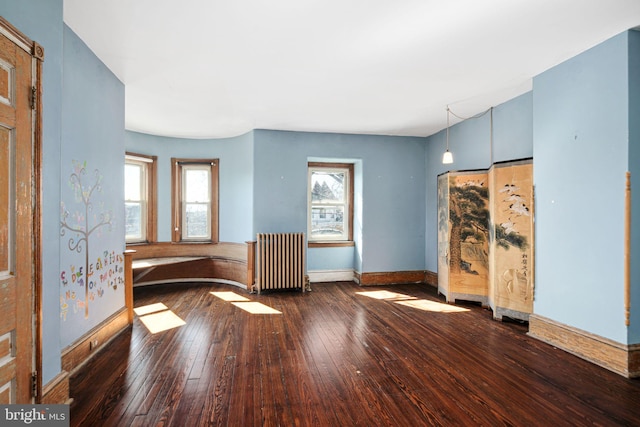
[(157, 317), (229, 296), (150, 308), (410, 301), (385, 295), (256, 308), (245, 304), (427, 305)]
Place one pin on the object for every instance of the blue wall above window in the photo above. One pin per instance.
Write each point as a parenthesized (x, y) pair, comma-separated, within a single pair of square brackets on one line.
[(389, 196)]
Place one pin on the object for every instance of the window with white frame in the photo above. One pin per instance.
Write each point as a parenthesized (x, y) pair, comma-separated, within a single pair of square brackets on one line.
[(195, 199), (330, 194), (139, 171)]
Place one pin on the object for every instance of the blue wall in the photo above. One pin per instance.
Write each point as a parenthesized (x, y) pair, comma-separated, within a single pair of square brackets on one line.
[(41, 20), (92, 191), (235, 185), (390, 196), (470, 143), (581, 131), (269, 194), (513, 129)]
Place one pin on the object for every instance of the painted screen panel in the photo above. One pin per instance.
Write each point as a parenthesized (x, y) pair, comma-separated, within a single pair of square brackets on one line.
[(443, 234), (512, 239), (469, 236)]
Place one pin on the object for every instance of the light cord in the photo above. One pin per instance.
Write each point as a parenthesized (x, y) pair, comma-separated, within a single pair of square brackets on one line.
[(491, 136), (448, 112), (477, 116)]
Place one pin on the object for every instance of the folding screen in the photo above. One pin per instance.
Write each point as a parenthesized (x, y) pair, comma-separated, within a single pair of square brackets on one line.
[(485, 237)]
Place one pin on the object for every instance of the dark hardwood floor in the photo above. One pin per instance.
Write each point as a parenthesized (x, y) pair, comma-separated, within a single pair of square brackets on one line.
[(335, 357)]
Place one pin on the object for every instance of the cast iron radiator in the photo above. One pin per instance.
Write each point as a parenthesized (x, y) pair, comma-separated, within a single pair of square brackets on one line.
[(280, 261)]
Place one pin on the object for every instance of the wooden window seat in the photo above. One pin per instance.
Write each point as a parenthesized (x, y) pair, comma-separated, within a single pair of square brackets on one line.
[(166, 262)]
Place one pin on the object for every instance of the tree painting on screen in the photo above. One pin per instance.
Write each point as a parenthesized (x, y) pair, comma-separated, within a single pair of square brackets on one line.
[(81, 224), (469, 219)]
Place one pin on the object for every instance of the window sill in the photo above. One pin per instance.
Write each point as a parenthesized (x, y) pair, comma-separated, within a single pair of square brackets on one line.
[(138, 243), (331, 244)]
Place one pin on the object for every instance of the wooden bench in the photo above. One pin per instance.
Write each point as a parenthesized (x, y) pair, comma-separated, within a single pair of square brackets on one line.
[(167, 262)]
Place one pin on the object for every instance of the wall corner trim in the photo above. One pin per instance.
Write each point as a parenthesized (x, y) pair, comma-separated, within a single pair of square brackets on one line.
[(620, 358), (431, 278), (391, 278), (56, 391), (82, 350)]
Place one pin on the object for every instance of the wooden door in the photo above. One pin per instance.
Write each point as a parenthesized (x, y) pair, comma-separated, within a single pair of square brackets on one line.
[(17, 207)]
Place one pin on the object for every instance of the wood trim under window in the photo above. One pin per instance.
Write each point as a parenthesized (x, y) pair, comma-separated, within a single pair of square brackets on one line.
[(152, 196), (176, 197), (336, 243), (330, 243)]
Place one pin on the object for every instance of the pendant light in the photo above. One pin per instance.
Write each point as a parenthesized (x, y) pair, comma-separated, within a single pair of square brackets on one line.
[(447, 157)]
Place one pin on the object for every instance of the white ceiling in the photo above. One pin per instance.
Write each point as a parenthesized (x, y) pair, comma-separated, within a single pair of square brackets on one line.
[(216, 68)]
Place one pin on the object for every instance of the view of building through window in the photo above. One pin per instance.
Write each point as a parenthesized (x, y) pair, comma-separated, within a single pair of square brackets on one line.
[(329, 202)]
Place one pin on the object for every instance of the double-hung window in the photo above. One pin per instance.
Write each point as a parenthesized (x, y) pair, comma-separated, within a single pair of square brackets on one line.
[(195, 200), (330, 195), (139, 194)]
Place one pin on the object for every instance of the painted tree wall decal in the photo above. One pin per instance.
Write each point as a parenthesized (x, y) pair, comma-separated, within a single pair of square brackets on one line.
[(83, 223), (469, 219)]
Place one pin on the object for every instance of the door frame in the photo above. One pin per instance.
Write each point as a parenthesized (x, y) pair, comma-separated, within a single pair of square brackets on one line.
[(37, 57)]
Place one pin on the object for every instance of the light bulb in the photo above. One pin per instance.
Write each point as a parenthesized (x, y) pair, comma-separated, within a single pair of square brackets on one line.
[(447, 158)]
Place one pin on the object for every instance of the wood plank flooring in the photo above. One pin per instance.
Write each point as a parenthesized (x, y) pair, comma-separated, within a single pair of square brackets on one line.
[(337, 357)]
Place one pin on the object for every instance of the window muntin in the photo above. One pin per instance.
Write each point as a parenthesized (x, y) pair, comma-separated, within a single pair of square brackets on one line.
[(330, 202), (195, 200)]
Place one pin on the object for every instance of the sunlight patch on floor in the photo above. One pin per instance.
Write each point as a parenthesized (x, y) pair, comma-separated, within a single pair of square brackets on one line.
[(229, 296), (386, 295), (256, 308), (438, 307), (150, 308), (157, 317), (410, 301), (162, 321)]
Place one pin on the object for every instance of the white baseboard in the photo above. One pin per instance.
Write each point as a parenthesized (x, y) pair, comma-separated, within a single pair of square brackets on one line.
[(331, 276)]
